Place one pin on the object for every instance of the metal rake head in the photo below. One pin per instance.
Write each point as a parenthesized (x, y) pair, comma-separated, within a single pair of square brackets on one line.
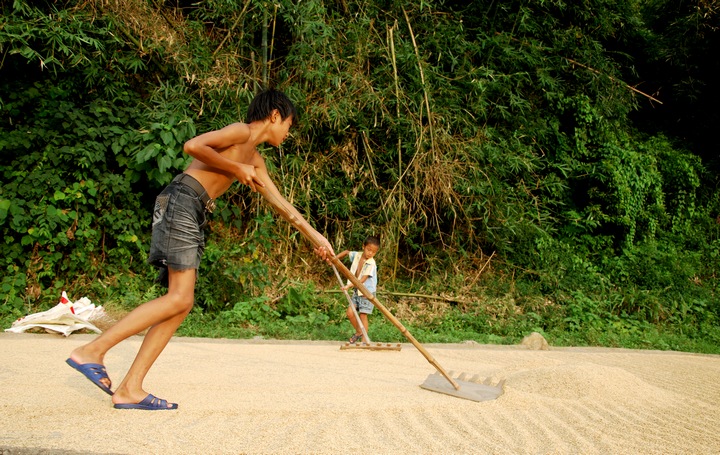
[(473, 388)]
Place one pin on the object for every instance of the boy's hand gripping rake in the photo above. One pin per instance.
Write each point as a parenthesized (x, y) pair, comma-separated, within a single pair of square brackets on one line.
[(460, 387)]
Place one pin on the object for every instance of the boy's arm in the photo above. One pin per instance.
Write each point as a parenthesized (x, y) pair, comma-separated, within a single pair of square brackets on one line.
[(207, 147), (342, 254), (272, 195), (362, 280)]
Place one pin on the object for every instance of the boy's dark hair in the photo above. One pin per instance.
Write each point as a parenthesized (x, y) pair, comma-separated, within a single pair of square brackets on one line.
[(372, 240), (264, 102)]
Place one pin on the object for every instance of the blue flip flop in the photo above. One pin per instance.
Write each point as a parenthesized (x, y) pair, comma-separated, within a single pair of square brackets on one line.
[(150, 403), (94, 372)]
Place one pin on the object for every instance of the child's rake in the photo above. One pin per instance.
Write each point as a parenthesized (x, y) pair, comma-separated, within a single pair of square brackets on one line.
[(470, 388)]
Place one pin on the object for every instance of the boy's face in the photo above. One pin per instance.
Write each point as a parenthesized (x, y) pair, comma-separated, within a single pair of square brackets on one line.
[(280, 128), (370, 250)]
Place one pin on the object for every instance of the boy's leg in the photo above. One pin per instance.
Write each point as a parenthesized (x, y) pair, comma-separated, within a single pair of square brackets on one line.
[(165, 312), (177, 304), (364, 319), (357, 336), (353, 320), (364, 308)]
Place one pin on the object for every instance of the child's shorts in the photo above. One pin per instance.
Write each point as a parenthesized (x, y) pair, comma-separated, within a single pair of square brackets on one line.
[(178, 240), (362, 305)]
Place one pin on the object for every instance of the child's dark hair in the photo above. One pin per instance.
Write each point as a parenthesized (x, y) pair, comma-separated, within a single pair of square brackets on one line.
[(372, 240), (264, 102)]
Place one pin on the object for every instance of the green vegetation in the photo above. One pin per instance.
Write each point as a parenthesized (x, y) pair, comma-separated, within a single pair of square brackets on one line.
[(543, 166)]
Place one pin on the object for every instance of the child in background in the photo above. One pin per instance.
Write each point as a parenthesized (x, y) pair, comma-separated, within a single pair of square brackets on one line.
[(364, 268)]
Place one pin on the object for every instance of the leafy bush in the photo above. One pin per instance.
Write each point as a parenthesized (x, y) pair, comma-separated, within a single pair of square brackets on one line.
[(454, 130), (233, 267)]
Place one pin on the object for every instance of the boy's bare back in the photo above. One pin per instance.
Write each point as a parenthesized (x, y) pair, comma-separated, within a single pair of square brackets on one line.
[(229, 154)]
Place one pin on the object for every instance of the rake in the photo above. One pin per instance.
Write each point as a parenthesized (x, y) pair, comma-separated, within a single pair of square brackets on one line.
[(463, 386)]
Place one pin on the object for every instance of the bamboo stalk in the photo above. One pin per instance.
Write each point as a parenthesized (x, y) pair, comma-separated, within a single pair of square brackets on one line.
[(391, 39), (422, 81), (405, 294), (264, 49), (482, 268), (397, 87), (229, 33), (366, 143), (612, 79), (272, 37), (595, 71), (575, 62)]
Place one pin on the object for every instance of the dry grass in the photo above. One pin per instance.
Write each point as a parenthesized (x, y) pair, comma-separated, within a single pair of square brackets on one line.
[(151, 28)]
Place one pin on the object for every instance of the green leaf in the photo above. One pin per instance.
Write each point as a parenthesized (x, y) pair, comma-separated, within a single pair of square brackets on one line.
[(4, 208), (164, 163), (167, 137)]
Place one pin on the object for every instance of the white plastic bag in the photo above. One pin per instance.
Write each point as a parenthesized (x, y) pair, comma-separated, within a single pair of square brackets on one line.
[(65, 317)]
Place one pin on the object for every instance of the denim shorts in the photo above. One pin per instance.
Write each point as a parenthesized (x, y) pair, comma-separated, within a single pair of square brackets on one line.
[(178, 240), (362, 305)]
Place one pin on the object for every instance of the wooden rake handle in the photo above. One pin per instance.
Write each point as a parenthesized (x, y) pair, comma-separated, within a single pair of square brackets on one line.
[(351, 305), (283, 211)]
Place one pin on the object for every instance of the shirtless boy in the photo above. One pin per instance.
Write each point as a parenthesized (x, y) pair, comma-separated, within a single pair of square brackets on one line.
[(219, 158)]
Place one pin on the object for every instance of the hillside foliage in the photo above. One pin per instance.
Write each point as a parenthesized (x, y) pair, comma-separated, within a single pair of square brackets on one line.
[(555, 153)]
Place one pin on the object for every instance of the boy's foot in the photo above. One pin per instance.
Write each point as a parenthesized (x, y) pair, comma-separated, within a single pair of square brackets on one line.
[(94, 372), (150, 403), (355, 338)]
